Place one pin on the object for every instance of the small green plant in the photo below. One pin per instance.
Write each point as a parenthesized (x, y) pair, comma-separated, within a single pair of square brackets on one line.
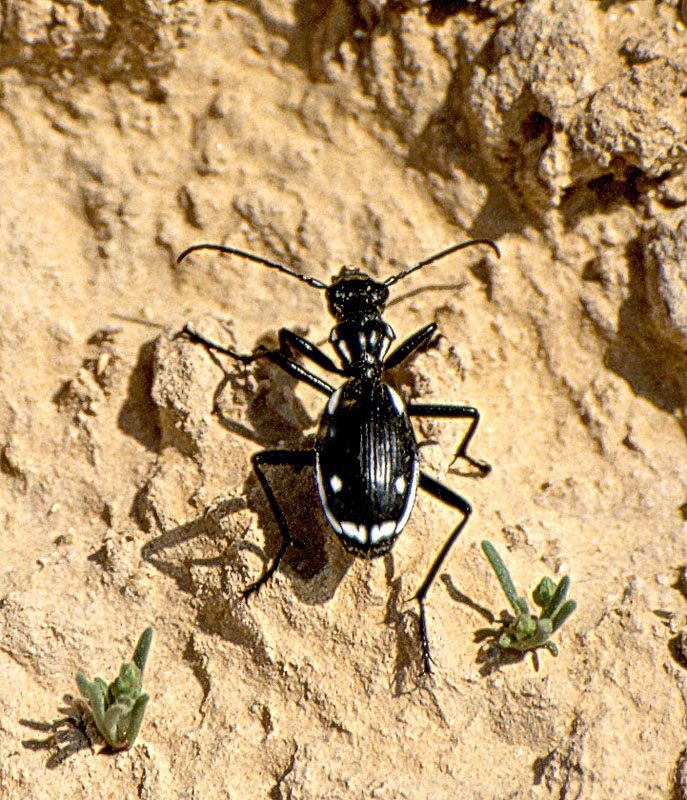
[(118, 708), (526, 631)]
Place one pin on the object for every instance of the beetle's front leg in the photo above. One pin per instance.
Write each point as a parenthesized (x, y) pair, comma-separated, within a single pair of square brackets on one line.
[(415, 342), (289, 343), (293, 368), (245, 358)]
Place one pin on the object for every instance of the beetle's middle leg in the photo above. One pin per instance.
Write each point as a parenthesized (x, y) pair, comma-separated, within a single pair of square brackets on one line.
[(453, 412)]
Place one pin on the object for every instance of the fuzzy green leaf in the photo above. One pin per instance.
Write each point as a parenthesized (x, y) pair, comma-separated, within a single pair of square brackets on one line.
[(141, 651), (502, 574)]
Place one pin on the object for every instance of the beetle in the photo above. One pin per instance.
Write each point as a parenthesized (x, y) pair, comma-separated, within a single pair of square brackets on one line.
[(365, 456)]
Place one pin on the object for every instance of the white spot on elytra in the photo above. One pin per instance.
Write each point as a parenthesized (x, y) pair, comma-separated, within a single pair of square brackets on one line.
[(336, 483), (353, 531), (400, 484), (333, 521), (378, 533), (395, 400)]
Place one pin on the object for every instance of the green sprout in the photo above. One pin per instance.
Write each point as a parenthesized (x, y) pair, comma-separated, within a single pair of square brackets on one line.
[(118, 708), (526, 631)]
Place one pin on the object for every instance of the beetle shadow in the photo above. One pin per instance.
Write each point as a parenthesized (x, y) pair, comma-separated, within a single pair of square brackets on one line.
[(316, 564), (459, 597), (273, 412), (637, 355), (277, 419), (172, 554), (405, 622), (138, 416), (456, 290), (677, 644)]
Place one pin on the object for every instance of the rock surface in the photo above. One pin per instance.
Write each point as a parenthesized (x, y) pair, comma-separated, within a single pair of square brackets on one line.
[(373, 134)]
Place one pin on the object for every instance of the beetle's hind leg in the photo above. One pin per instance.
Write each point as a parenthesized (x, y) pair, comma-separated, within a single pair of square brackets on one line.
[(454, 412), (295, 458), (454, 500)]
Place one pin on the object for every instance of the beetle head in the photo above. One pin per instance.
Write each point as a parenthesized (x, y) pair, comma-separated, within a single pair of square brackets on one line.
[(353, 295)]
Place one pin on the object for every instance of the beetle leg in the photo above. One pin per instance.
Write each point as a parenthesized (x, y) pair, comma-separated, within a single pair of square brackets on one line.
[(410, 345), (296, 458), (288, 341), (294, 369), (453, 412), (300, 373), (454, 500), (198, 338)]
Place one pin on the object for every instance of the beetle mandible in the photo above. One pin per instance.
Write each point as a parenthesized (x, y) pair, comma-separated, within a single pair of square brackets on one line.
[(366, 455)]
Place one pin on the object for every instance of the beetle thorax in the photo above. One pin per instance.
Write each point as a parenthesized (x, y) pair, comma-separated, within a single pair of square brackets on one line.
[(361, 338), (362, 345)]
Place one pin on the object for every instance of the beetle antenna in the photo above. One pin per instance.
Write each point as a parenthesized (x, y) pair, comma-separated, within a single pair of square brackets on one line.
[(437, 256), (251, 257)]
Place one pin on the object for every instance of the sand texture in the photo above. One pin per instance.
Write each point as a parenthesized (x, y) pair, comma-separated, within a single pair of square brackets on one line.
[(320, 134)]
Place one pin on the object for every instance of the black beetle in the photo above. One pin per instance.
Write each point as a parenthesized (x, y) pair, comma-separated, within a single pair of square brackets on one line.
[(366, 455)]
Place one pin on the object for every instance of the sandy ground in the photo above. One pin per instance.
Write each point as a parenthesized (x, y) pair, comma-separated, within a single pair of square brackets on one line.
[(319, 134)]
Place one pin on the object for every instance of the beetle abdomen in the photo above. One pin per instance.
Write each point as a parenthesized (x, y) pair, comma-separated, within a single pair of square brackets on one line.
[(366, 465)]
